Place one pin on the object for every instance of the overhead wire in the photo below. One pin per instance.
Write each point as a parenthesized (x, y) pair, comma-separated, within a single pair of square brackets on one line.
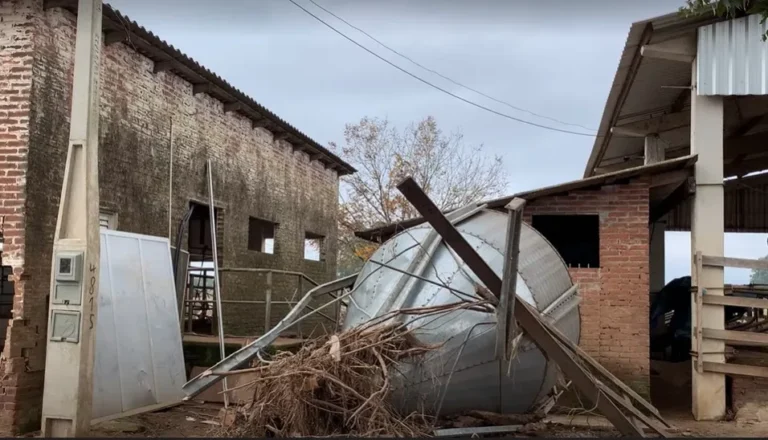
[(444, 76), (447, 92)]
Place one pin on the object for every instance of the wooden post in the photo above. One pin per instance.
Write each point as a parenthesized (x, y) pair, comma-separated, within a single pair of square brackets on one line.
[(73, 299), (268, 304)]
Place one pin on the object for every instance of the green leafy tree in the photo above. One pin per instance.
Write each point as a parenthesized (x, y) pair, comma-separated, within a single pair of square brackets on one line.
[(759, 276), (726, 8)]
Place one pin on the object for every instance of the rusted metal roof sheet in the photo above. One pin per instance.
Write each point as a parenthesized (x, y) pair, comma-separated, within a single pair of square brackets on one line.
[(383, 232), (733, 58), (203, 80)]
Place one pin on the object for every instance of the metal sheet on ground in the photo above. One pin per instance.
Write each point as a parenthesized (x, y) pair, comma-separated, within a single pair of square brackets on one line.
[(138, 359)]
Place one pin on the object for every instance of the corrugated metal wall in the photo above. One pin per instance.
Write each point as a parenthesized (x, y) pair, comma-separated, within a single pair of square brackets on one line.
[(746, 210), (733, 58)]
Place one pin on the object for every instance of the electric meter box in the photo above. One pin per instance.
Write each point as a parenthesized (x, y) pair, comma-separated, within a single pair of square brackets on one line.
[(69, 266), (68, 273)]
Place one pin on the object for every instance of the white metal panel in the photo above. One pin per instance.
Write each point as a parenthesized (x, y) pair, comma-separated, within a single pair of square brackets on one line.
[(139, 359), (732, 58)]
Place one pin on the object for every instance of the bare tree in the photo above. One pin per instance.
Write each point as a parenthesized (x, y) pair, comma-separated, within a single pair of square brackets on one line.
[(452, 174)]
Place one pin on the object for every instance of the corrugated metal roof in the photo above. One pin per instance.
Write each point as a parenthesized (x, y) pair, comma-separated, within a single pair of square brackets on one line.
[(733, 58), (158, 50), (637, 90), (746, 209), (383, 232)]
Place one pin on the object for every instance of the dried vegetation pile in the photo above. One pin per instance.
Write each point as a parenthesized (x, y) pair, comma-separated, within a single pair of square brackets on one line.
[(337, 385)]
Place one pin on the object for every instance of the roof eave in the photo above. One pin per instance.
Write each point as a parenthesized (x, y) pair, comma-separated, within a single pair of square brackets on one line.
[(160, 51)]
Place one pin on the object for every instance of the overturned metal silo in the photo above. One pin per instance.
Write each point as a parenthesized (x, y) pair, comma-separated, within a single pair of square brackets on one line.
[(465, 373)]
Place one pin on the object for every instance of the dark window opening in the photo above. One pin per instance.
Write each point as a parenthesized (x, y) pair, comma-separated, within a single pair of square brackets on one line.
[(261, 235), (314, 247), (575, 237)]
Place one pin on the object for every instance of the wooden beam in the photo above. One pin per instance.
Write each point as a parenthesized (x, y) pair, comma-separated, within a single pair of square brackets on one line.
[(50, 4), (733, 337), (748, 125), (686, 189), (506, 310), (534, 327), (655, 125), (113, 37), (670, 177), (682, 99), (201, 88), (232, 106), (735, 301), (280, 136), (259, 123), (743, 263), (162, 66), (681, 49), (736, 369)]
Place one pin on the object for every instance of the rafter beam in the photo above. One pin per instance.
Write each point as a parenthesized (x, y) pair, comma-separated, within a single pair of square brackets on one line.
[(681, 49), (232, 106), (686, 189), (259, 123), (162, 66), (113, 37), (655, 125), (280, 136), (201, 88)]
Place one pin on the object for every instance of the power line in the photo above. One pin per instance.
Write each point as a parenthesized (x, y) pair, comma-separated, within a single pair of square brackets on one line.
[(445, 77), (480, 106)]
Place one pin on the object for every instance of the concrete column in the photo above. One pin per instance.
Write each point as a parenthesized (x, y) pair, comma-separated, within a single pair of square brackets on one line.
[(656, 255), (708, 236)]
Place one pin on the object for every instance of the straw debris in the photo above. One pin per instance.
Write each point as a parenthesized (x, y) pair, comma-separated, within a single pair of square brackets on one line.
[(337, 385)]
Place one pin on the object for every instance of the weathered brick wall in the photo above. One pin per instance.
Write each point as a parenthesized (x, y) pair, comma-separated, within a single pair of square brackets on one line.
[(18, 390), (615, 301), (253, 176)]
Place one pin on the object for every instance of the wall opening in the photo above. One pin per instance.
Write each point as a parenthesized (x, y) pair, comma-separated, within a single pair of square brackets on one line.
[(261, 235), (576, 237), (199, 306), (314, 247)]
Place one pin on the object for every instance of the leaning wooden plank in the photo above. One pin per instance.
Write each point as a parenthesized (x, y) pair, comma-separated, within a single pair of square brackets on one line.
[(743, 263), (608, 375), (651, 423), (736, 369), (530, 323), (733, 337)]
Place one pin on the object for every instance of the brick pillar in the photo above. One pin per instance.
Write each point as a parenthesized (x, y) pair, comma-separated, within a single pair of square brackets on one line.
[(16, 49)]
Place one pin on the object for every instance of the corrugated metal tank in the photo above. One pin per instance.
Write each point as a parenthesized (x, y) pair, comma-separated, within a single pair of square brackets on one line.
[(477, 381)]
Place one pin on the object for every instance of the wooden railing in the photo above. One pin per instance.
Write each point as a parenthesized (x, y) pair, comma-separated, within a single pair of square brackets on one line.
[(736, 298)]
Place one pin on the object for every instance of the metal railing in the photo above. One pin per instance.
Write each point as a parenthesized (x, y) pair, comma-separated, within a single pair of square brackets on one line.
[(202, 306)]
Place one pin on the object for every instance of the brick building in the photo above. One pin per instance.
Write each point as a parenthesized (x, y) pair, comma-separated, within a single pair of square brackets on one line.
[(272, 183), (601, 228)]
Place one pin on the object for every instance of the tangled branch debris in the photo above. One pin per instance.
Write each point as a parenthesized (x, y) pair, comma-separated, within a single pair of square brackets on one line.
[(338, 385)]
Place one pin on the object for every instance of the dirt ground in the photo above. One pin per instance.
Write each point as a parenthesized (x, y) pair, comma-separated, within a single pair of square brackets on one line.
[(200, 420), (670, 392)]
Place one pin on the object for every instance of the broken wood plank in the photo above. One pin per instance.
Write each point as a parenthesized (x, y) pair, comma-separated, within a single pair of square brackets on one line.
[(532, 324)]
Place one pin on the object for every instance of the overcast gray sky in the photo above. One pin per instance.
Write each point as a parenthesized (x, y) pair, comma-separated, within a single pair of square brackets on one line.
[(547, 56)]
